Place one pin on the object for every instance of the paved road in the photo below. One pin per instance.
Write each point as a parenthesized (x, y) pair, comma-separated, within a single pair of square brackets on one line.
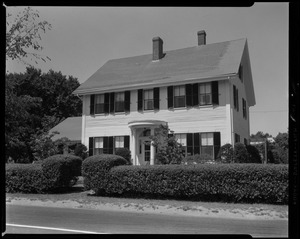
[(50, 219)]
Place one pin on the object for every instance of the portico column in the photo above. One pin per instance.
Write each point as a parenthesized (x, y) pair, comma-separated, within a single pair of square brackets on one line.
[(133, 153), (152, 149)]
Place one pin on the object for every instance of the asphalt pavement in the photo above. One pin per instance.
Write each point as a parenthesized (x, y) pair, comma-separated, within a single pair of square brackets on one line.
[(44, 220)]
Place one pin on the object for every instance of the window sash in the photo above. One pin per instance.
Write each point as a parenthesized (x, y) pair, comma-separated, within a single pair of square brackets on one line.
[(205, 96), (207, 150), (148, 94), (207, 139), (179, 101), (149, 104), (119, 142), (98, 143), (179, 90)]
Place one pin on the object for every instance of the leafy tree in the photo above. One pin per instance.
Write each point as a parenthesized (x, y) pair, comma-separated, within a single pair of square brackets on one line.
[(225, 154), (23, 36), (169, 151), (280, 149), (259, 136), (34, 103), (253, 153), (240, 153)]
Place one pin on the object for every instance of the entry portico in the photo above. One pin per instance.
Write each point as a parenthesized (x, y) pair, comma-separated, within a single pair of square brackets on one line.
[(141, 147)]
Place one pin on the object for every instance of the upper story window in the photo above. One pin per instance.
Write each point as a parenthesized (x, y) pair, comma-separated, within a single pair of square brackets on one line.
[(179, 96), (191, 95), (205, 96), (241, 73), (244, 109), (237, 138), (148, 100), (235, 98), (119, 102), (110, 103), (99, 104), (98, 145)]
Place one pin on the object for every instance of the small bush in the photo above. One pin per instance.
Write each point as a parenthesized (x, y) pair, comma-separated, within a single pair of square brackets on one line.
[(125, 153), (225, 154), (239, 183), (95, 170), (198, 159)]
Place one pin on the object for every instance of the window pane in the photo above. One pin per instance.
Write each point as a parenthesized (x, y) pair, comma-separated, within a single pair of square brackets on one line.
[(148, 94), (210, 139), (202, 100), (181, 138), (120, 97), (182, 90), (99, 142), (176, 91), (207, 88), (202, 88), (207, 150), (99, 99), (119, 142), (119, 106), (148, 105), (179, 101), (208, 99), (203, 139)]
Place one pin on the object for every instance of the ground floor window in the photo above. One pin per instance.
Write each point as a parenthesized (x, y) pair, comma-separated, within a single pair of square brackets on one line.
[(200, 143), (107, 144)]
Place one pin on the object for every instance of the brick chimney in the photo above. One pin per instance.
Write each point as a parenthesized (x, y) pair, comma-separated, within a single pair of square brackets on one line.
[(201, 38), (157, 48)]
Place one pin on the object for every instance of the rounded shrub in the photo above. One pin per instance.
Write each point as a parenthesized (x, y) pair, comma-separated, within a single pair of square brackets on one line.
[(61, 170), (125, 153), (95, 170)]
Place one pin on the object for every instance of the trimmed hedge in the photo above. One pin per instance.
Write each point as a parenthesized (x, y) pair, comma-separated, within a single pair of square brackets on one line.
[(95, 170), (240, 183), (26, 178), (53, 174)]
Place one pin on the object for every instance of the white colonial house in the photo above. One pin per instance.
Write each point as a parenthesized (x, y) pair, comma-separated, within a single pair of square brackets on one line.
[(203, 93)]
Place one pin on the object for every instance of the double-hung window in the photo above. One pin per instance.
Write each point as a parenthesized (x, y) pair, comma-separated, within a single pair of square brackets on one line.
[(119, 102), (207, 144), (205, 96), (119, 142), (99, 104), (244, 109), (98, 145), (179, 96), (148, 100)]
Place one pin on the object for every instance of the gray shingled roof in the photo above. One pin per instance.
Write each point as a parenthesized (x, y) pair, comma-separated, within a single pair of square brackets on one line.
[(198, 62), (70, 128)]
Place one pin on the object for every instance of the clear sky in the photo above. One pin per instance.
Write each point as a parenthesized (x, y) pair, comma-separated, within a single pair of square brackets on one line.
[(82, 39)]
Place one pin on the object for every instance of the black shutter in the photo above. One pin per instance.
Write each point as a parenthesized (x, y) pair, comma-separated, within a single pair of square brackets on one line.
[(195, 94), (91, 146), (126, 141), (112, 102), (217, 143), (189, 95), (105, 145), (140, 100), (92, 105), (127, 101), (234, 97), (237, 99), (156, 98), (170, 97), (111, 145), (215, 92), (196, 143), (106, 103), (189, 144)]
